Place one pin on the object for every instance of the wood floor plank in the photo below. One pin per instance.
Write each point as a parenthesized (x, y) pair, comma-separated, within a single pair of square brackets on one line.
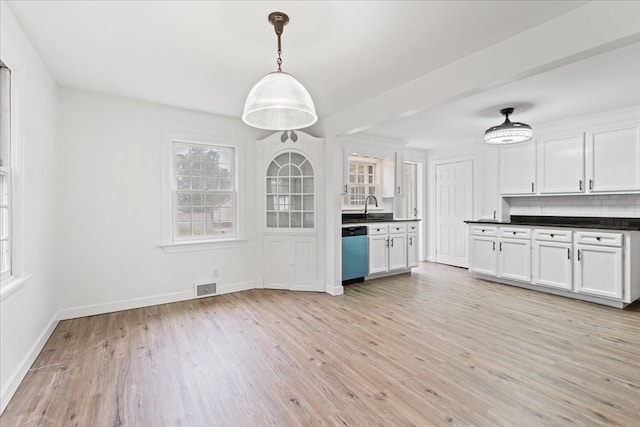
[(436, 347)]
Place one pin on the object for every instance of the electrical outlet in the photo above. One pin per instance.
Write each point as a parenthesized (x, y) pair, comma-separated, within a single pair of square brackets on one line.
[(215, 273)]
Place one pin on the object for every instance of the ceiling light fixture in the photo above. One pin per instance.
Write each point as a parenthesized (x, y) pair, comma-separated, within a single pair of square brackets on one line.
[(508, 132), (278, 101)]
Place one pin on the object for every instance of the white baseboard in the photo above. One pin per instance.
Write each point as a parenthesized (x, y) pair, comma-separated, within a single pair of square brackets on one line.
[(93, 309), (236, 287), (334, 290), (10, 387)]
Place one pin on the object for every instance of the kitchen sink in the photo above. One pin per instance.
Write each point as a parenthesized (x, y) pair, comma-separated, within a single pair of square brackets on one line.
[(354, 218)]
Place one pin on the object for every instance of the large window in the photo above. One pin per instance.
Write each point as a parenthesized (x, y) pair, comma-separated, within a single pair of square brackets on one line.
[(5, 173), (362, 182), (204, 191)]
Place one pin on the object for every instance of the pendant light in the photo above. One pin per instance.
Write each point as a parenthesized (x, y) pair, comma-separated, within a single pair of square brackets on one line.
[(508, 132), (278, 101)]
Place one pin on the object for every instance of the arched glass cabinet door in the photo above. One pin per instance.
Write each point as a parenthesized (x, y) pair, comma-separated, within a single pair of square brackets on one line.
[(290, 192)]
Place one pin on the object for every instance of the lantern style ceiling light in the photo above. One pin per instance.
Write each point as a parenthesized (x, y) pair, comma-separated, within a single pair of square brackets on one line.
[(278, 101), (508, 132)]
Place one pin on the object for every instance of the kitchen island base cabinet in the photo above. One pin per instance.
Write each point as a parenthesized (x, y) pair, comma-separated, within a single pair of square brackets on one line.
[(483, 255), (599, 271), (552, 265), (515, 259), (601, 266)]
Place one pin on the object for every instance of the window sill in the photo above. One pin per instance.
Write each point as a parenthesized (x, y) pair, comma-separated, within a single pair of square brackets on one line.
[(202, 245), (12, 285)]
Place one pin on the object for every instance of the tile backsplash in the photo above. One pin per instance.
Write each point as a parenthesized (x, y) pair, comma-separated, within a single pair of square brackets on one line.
[(614, 205)]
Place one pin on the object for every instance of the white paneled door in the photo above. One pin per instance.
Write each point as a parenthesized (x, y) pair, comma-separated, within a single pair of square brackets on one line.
[(453, 206)]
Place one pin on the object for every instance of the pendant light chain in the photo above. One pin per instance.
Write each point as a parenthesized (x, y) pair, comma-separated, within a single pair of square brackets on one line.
[(279, 61)]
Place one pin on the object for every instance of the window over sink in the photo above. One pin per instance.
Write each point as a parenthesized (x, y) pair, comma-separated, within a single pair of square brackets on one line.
[(362, 175)]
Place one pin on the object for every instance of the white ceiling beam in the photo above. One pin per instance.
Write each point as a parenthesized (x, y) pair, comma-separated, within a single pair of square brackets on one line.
[(586, 31)]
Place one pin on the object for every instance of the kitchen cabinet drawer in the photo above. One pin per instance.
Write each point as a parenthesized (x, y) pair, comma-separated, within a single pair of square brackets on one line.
[(377, 229), (484, 230), (598, 238), (553, 235), (397, 228), (515, 232), (412, 227)]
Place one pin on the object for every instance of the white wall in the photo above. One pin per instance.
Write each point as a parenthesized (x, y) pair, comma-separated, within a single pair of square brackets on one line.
[(28, 314), (110, 169)]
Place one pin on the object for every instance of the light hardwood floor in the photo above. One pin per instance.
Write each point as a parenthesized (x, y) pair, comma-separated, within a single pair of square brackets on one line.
[(436, 347)]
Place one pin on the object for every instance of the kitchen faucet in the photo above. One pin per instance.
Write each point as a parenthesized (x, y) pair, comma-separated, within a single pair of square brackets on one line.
[(367, 200)]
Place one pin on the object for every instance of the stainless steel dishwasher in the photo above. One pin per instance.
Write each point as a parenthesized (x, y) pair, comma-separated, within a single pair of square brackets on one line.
[(355, 254)]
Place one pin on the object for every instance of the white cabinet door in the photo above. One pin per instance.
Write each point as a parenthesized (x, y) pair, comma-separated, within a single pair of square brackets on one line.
[(412, 250), (399, 174), (561, 164), (397, 251), (304, 268), (518, 169), (599, 271), (552, 265), (277, 266), (514, 260), (378, 254), (291, 263), (490, 192), (613, 159), (483, 255)]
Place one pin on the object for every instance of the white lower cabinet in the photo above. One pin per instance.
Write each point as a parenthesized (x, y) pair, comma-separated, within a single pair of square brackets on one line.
[(378, 253), (412, 250), (599, 264), (392, 246), (591, 265), (397, 247), (552, 258), (483, 255), (552, 265), (501, 251), (514, 259)]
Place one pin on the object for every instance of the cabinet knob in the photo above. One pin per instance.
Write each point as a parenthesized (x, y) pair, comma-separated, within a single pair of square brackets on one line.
[(598, 239), (514, 233), (551, 235)]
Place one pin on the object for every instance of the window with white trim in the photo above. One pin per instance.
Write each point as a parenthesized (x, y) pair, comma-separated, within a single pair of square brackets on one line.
[(362, 182), (5, 173), (204, 191)]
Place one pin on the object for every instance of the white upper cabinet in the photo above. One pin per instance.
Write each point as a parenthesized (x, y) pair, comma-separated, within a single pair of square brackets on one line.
[(489, 203), (518, 169), (561, 164), (613, 158), (399, 174)]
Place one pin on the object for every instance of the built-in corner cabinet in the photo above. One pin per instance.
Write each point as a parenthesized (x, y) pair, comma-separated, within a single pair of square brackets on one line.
[(291, 217), (595, 265), (604, 159)]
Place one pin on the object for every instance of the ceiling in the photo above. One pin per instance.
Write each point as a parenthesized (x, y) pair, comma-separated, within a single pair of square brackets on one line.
[(206, 56)]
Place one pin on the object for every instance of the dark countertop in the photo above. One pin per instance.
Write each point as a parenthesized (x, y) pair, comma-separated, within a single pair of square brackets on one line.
[(607, 223), (360, 218)]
